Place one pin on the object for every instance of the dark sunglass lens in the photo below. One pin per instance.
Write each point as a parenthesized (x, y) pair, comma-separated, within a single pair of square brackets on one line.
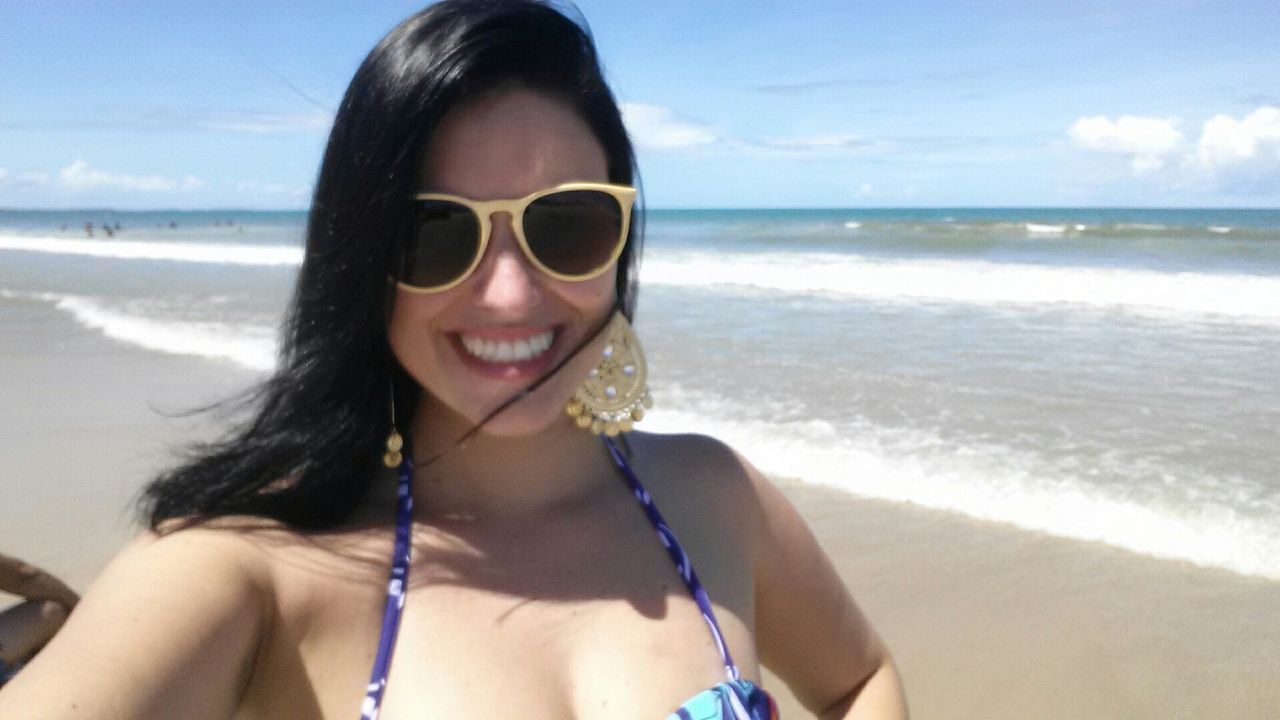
[(445, 238), (574, 232)]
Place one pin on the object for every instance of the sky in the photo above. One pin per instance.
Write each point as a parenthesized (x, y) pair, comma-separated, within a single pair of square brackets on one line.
[(808, 103)]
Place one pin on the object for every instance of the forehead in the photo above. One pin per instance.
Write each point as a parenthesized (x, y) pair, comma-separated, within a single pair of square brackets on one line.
[(509, 143)]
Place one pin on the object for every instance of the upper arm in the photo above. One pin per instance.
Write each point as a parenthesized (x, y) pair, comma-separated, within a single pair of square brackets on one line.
[(808, 628), (170, 630)]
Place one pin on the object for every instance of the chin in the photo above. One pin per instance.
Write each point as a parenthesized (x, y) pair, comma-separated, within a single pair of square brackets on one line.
[(516, 422), (541, 411)]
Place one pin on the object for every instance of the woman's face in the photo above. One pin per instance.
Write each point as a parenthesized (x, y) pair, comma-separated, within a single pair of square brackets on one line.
[(505, 144)]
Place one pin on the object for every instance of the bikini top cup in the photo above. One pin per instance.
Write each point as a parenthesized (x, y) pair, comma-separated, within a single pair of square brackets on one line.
[(734, 699)]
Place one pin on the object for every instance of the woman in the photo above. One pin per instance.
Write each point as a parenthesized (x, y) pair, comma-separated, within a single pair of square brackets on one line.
[(524, 578)]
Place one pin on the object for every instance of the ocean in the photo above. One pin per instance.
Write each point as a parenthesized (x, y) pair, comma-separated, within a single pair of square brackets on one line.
[(1102, 374)]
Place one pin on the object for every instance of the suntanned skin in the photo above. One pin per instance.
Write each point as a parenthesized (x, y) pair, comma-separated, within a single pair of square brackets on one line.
[(28, 625), (538, 587), (30, 582)]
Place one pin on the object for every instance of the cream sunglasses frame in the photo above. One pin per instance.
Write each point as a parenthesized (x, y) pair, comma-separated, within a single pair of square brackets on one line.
[(484, 210)]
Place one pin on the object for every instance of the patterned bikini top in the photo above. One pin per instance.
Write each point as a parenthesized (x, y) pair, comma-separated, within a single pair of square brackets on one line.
[(734, 699)]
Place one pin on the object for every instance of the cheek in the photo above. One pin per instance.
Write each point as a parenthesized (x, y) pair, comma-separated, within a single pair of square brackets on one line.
[(594, 297), (412, 317)]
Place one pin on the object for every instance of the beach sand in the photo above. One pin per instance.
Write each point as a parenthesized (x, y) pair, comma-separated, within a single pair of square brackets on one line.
[(989, 621), (84, 426), (985, 621)]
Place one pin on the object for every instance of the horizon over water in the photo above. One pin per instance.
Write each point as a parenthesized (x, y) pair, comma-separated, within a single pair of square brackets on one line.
[(1104, 374)]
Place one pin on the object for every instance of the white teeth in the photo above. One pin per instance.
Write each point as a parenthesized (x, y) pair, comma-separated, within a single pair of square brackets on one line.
[(497, 351), (521, 350)]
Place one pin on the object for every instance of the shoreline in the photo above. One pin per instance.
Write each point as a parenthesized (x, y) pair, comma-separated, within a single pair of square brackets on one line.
[(985, 620)]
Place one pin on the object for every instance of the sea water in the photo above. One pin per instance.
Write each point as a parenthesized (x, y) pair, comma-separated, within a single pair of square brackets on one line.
[(1102, 374)]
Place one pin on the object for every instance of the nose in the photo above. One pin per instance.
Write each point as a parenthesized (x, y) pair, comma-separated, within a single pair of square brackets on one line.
[(505, 282)]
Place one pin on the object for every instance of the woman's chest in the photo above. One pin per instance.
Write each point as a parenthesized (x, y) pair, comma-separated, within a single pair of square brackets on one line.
[(561, 657), (595, 624)]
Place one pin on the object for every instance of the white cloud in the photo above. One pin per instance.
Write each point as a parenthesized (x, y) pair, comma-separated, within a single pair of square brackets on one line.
[(1148, 141), (815, 143), (1230, 154), (21, 179), (261, 123), (1226, 142), (79, 176), (654, 126), (260, 188), (662, 128)]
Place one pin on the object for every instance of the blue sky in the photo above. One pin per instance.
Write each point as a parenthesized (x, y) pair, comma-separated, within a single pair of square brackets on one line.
[(734, 104)]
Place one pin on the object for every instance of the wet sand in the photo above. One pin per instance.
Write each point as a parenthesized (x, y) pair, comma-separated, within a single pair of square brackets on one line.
[(985, 621)]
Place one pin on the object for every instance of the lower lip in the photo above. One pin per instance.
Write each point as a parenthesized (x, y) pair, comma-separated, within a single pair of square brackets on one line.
[(530, 369)]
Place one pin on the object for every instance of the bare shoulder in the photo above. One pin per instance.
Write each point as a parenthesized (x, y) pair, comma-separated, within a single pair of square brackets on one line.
[(707, 480), (691, 454), (235, 553), (705, 466), (172, 622)]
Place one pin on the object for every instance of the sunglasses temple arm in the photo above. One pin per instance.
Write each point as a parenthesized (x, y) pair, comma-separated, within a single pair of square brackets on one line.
[(587, 340)]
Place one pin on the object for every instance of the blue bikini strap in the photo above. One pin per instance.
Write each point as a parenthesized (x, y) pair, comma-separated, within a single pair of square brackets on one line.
[(397, 586), (677, 553)]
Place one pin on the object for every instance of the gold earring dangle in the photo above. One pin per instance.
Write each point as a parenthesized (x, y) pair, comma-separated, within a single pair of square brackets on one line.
[(615, 394), (392, 457)]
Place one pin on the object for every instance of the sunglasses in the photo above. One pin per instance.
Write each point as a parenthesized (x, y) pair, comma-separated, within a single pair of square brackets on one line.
[(571, 232)]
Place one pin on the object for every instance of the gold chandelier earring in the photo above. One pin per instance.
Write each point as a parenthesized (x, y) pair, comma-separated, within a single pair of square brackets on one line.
[(616, 393)]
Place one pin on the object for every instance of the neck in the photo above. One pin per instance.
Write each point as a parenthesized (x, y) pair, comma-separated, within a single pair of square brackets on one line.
[(490, 476)]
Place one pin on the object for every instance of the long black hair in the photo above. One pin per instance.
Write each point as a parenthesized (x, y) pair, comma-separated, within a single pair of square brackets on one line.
[(313, 440)]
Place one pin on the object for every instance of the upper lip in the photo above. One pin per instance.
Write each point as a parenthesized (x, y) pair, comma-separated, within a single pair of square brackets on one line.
[(504, 333)]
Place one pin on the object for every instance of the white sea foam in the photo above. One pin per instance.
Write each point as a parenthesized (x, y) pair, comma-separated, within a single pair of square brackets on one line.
[(1219, 229), (852, 225), (985, 482), (219, 253), (1230, 297), (251, 347), (1035, 229)]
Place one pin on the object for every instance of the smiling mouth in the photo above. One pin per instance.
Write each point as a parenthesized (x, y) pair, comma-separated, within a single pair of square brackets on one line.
[(520, 350)]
